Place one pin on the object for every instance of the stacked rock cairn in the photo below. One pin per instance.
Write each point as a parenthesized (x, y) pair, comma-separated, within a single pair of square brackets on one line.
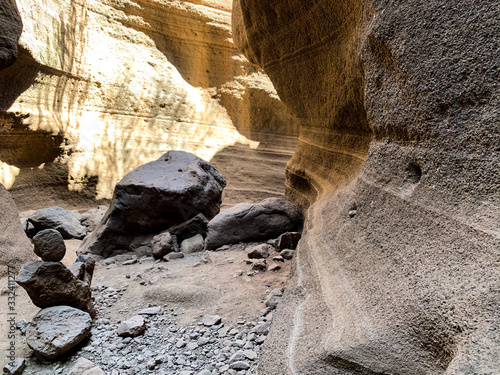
[(63, 294)]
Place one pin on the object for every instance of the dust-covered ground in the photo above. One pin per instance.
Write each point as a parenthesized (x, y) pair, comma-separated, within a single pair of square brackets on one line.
[(220, 283)]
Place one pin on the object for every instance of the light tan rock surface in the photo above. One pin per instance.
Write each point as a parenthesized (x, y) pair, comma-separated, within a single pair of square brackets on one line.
[(103, 86), (397, 271)]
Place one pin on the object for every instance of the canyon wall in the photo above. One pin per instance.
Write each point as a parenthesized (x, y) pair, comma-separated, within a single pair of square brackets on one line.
[(103, 86), (398, 157), (15, 248)]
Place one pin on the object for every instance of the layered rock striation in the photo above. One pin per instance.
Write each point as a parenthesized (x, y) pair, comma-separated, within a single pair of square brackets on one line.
[(398, 156), (101, 87)]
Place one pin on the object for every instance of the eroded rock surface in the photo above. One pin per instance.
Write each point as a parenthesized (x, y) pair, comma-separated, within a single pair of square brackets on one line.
[(55, 330), (398, 155), (11, 26), (51, 283)]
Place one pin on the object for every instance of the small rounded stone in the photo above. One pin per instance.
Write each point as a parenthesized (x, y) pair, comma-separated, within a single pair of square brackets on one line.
[(49, 245)]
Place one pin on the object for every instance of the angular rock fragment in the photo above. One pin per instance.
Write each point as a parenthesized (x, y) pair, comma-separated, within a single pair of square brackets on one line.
[(274, 268), (77, 269), (83, 268), (51, 284), (288, 240), (193, 245), (239, 365), (163, 244), (156, 196), (274, 298), (211, 320), (15, 367), (156, 310), (260, 251), (261, 329), (132, 327), (65, 222), (252, 222), (259, 265), (55, 330), (49, 245), (22, 325), (173, 256)]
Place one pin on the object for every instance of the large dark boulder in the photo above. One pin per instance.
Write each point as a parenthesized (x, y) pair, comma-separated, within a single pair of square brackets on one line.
[(51, 284), (247, 222), (155, 196)]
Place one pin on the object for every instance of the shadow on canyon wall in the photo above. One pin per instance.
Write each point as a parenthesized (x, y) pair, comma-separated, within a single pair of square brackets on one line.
[(143, 123)]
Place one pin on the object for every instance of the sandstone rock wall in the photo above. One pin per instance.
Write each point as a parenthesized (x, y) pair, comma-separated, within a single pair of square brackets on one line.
[(103, 86), (15, 247), (397, 272)]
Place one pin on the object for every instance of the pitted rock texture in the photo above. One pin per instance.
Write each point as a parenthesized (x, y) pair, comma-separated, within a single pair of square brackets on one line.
[(55, 330), (11, 25), (155, 196), (51, 284), (15, 247), (49, 245), (101, 87), (398, 154)]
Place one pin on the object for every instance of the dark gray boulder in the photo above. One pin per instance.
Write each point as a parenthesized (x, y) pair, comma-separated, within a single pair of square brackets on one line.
[(65, 222), (56, 330), (247, 222), (49, 245), (155, 196), (51, 283)]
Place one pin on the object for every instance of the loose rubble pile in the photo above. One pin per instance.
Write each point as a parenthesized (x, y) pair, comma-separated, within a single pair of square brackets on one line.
[(64, 294), (152, 342)]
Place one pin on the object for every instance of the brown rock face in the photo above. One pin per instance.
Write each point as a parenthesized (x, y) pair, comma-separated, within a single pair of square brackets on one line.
[(101, 87), (397, 271), (11, 27)]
